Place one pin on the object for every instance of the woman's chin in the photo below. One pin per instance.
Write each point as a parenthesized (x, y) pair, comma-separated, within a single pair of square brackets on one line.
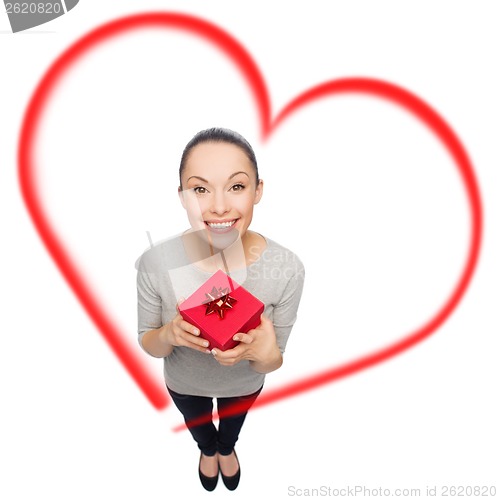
[(219, 240), (222, 240)]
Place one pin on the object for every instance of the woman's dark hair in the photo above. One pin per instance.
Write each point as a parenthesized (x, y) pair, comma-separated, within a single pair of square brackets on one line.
[(218, 134)]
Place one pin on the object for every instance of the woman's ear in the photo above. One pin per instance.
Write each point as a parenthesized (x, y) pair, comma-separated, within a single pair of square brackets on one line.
[(182, 198), (259, 191)]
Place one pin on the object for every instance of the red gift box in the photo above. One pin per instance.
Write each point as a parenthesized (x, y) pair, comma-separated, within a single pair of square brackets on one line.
[(220, 308)]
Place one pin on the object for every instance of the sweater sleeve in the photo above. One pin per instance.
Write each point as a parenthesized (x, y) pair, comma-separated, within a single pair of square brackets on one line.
[(285, 312), (149, 304)]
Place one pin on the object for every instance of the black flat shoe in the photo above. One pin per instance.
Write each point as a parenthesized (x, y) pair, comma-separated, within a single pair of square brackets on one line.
[(231, 482), (209, 483)]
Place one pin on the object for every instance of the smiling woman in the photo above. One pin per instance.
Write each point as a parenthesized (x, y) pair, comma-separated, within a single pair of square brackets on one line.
[(219, 187)]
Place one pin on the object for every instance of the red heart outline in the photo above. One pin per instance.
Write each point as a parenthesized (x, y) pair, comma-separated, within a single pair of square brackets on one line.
[(128, 355)]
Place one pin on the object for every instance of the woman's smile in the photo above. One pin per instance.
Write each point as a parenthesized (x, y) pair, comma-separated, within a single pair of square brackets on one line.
[(221, 226)]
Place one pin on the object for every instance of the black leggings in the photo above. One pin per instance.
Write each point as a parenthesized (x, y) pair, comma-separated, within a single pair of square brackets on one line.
[(209, 439)]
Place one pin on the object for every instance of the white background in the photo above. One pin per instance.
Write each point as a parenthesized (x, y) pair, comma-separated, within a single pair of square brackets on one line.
[(355, 186)]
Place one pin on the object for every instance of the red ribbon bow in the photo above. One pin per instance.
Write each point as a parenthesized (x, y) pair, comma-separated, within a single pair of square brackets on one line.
[(219, 301)]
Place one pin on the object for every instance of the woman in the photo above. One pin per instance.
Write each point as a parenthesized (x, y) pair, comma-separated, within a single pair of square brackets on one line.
[(219, 186)]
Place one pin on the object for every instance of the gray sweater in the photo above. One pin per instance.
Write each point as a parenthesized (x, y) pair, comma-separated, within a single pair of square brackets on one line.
[(165, 274)]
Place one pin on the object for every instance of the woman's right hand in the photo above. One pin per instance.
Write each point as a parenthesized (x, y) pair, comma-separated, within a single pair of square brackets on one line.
[(179, 332)]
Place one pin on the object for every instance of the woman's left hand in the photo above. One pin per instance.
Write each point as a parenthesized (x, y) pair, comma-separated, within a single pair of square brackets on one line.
[(259, 346)]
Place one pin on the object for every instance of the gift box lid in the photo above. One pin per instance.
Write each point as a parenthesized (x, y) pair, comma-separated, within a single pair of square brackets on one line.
[(220, 308)]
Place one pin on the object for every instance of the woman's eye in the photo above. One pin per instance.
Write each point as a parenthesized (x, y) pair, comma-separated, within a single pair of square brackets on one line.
[(200, 190), (238, 187)]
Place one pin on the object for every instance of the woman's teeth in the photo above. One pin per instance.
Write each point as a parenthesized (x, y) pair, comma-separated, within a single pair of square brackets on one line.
[(220, 225)]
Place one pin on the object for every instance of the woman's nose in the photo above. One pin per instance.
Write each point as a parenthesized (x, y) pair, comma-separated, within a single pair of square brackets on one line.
[(220, 203)]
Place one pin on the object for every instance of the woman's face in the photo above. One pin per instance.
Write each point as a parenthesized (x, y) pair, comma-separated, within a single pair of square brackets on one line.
[(219, 190)]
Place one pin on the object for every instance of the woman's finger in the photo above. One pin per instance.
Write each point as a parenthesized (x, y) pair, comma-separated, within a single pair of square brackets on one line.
[(194, 339), (196, 343), (243, 337), (191, 338), (186, 326), (229, 357)]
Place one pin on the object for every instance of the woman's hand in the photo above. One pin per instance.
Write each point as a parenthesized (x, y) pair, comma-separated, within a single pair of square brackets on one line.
[(259, 346), (179, 332)]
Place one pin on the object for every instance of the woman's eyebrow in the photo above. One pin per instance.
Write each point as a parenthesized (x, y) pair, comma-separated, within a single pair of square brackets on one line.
[(197, 177), (236, 173), (207, 182)]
